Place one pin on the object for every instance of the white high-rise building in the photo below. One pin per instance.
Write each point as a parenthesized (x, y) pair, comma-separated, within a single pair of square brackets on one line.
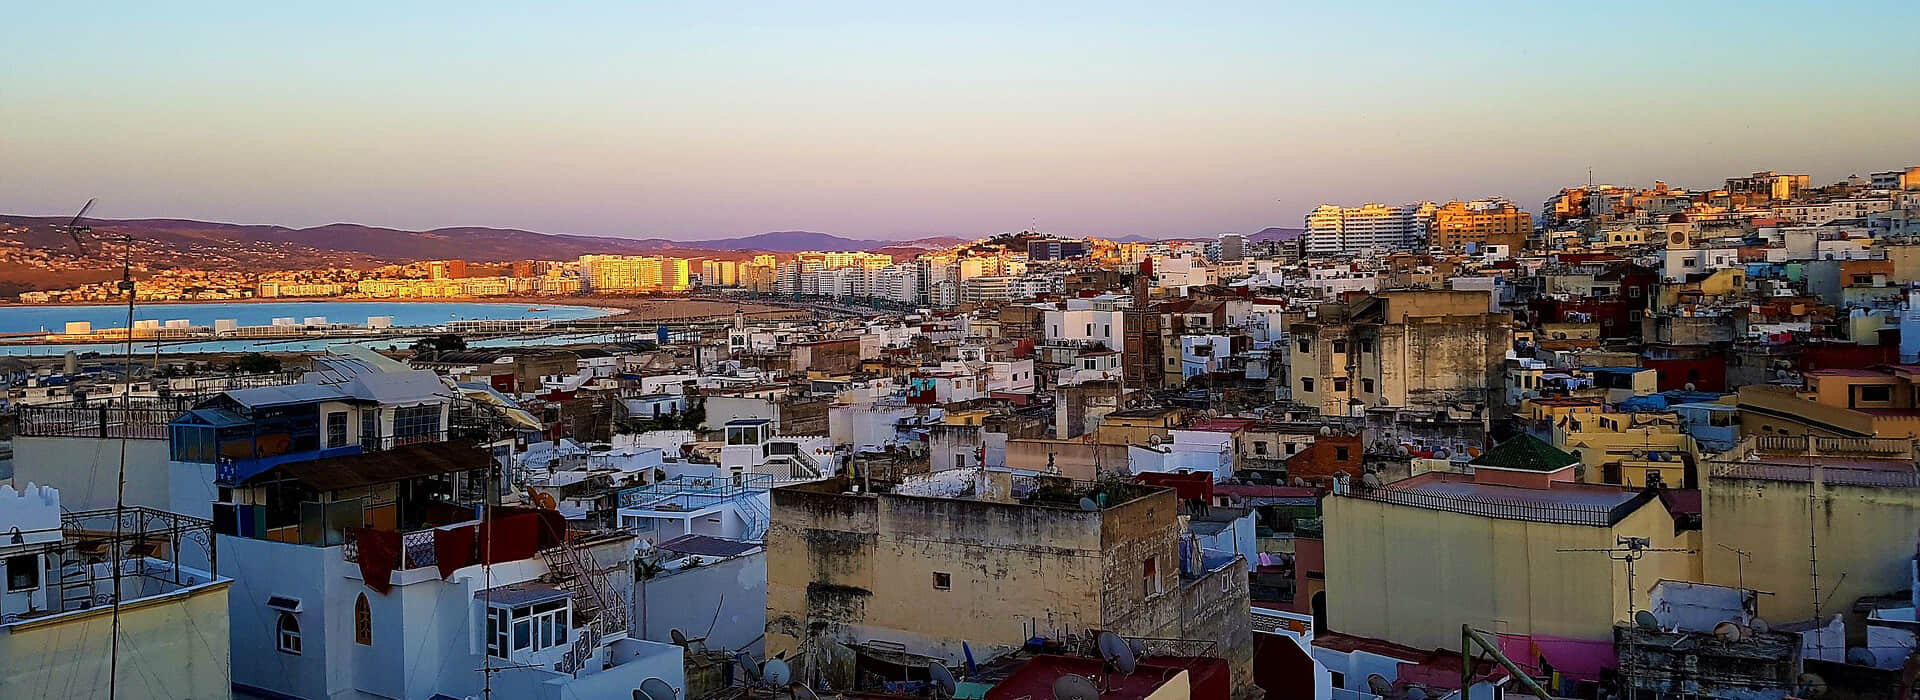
[(1337, 230)]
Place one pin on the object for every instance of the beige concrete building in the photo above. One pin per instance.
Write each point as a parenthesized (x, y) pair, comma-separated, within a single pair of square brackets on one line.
[(922, 568), (1850, 504), (1416, 348), (1412, 561)]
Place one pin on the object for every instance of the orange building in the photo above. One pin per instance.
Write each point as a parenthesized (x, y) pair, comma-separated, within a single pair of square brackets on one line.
[(1485, 223)]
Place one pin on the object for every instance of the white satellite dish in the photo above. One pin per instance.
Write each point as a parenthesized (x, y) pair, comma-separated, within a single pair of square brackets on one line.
[(1117, 652), (1728, 631), (1810, 685), (1379, 685), (655, 689), (776, 673), (1371, 481), (943, 680), (1759, 626), (1074, 687)]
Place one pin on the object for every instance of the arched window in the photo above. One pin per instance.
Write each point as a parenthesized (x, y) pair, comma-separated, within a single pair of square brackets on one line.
[(287, 634), (362, 622)]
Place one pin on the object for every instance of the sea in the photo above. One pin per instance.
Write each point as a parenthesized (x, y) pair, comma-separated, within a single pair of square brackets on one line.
[(424, 315)]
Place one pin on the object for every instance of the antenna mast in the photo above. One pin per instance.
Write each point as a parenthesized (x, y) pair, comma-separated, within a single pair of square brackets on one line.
[(77, 231), (1629, 550)]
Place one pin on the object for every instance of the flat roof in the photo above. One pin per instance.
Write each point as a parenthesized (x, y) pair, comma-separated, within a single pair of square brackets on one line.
[(1560, 493), (521, 594)]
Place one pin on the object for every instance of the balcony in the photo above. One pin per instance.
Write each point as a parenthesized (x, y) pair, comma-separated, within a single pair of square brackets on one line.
[(231, 471)]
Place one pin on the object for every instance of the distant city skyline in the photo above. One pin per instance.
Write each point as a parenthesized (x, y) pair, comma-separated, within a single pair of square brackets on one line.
[(884, 121)]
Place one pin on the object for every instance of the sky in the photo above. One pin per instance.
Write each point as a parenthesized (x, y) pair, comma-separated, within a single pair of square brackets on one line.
[(904, 119)]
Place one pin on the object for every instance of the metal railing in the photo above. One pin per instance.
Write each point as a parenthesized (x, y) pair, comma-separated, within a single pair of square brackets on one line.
[(1829, 475), (1503, 509), (686, 493), (416, 549), (141, 421)]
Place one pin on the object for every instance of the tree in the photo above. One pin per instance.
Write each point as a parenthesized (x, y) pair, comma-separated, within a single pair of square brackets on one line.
[(256, 363), (434, 345)]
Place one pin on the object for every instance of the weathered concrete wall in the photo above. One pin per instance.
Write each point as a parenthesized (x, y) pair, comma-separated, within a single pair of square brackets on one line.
[(862, 568), (1868, 533), (1413, 575), (1082, 461)]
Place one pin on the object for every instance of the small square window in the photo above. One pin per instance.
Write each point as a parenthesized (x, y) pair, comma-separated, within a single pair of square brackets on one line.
[(23, 572), (1306, 383), (1340, 453), (942, 581)]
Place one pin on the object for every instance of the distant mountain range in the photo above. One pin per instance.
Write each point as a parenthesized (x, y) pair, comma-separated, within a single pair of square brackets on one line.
[(478, 244)]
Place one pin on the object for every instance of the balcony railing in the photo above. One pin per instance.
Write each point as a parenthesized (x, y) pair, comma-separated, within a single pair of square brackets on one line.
[(140, 421), (1533, 511), (688, 493), (416, 550)]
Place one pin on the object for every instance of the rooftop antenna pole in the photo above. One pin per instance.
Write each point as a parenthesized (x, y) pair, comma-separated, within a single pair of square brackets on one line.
[(1629, 550), (76, 230)]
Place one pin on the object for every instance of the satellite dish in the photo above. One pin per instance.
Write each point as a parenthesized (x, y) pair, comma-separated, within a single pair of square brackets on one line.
[(1299, 481), (1074, 687), (1441, 453), (1088, 504), (655, 689), (1402, 450), (1116, 651), (679, 637), (748, 666), (1728, 631), (1810, 685), (942, 678), (776, 673), (1371, 481), (1862, 656), (1690, 386), (1379, 685), (1416, 693), (1139, 647), (1759, 626), (1647, 619)]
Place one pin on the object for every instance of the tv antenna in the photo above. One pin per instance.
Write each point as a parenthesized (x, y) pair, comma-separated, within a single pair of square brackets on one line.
[(1740, 557), (79, 232), (1629, 550)]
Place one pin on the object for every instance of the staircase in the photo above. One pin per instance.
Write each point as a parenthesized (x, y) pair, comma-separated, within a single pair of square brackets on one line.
[(755, 513), (76, 586), (595, 600)]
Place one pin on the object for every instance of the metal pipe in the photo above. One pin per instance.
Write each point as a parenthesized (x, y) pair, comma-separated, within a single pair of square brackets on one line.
[(1472, 636)]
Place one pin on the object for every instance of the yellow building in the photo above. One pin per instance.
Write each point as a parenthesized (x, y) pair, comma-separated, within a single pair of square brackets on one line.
[(1630, 449), (1481, 223), (1877, 402), (1852, 504), (1413, 560)]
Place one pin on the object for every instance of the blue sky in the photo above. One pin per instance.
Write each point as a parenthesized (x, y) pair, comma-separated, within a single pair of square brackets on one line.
[(899, 119)]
